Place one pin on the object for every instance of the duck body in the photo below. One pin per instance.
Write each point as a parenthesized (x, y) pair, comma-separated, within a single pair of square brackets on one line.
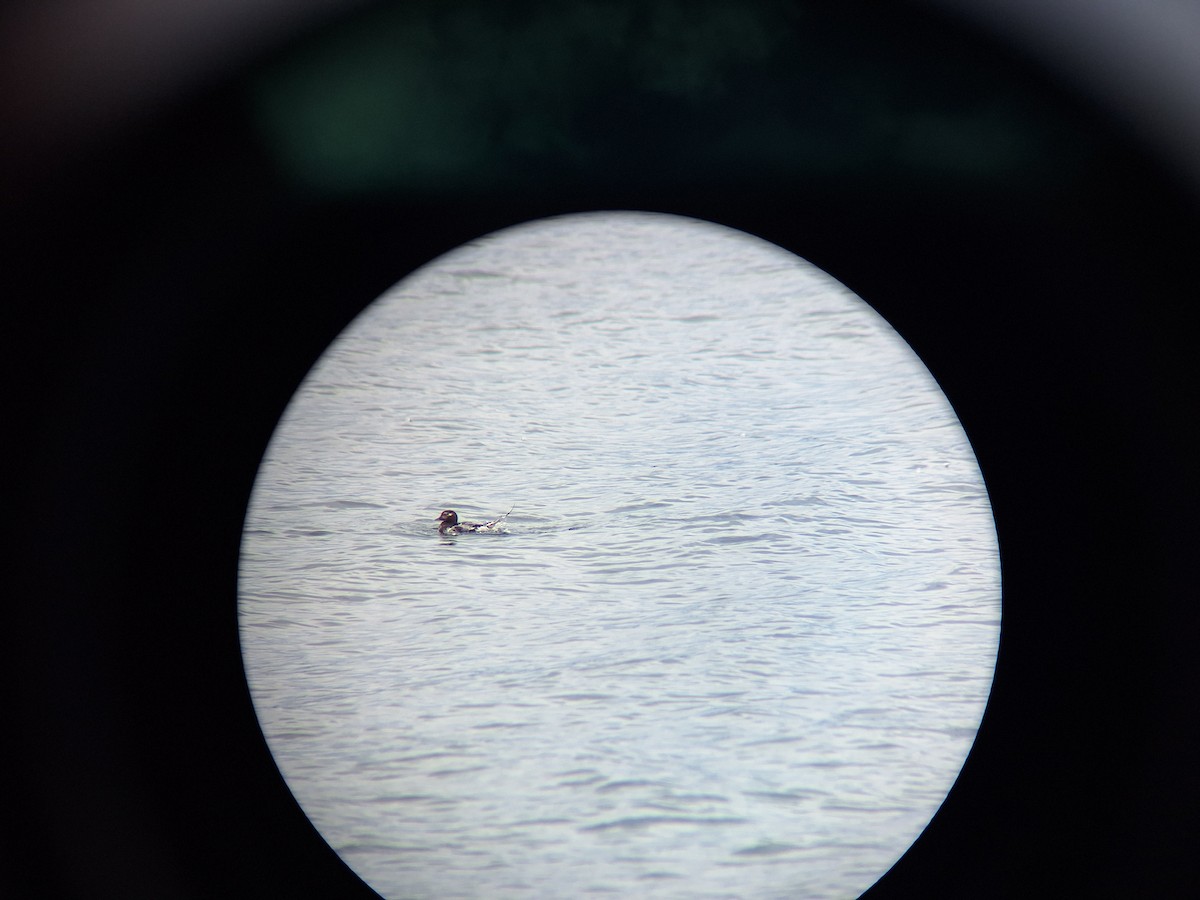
[(448, 523)]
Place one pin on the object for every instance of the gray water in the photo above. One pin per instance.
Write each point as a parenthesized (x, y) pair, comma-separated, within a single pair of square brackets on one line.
[(735, 638)]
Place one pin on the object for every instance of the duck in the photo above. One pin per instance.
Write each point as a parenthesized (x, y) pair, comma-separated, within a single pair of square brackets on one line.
[(448, 523)]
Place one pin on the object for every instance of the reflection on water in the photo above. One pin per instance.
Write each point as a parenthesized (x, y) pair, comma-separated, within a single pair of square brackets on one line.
[(734, 640)]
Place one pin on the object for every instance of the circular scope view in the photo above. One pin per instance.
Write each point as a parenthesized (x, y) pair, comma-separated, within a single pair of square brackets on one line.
[(619, 553)]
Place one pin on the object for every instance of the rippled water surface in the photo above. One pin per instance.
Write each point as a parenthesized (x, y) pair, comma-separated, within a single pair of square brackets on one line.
[(736, 636)]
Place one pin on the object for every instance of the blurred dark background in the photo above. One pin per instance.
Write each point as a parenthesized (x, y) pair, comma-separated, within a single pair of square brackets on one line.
[(198, 197)]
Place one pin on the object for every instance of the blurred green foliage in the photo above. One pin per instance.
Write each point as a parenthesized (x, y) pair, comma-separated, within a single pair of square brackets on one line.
[(448, 96)]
